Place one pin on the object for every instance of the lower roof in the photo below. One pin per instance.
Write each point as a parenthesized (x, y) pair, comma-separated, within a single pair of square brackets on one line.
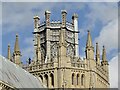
[(17, 77)]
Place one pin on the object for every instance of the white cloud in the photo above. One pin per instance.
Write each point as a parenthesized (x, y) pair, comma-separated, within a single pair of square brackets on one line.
[(113, 72), (109, 36), (20, 15), (22, 12), (103, 12)]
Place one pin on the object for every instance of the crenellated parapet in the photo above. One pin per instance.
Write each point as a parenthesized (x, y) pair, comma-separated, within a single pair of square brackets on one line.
[(33, 68)]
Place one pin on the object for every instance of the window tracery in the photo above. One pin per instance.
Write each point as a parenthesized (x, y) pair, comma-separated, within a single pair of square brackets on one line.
[(54, 50), (70, 51)]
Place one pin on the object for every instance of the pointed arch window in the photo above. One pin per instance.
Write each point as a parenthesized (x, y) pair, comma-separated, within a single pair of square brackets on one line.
[(70, 51), (43, 54), (52, 79), (82, 79), (78, 79), (46, 79), (41, 78), (73, 79), (54, 50)]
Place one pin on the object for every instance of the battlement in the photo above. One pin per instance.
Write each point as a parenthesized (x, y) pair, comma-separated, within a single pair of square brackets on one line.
[(78, 65), (33, 68)]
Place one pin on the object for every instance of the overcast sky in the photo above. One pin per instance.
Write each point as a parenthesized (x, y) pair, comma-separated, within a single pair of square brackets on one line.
[(101, 18)]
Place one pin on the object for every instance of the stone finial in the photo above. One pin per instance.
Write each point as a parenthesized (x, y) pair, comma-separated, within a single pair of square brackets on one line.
[(47, 12), (36, 21), (64, 11), (36, 17), (75, 15)]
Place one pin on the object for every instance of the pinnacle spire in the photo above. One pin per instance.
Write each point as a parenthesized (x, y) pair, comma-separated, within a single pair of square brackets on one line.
[(17, 53), (104, 54), (16, 47), (89, 40), (89, 48), (97, 53), (104, 60), (9, 55)]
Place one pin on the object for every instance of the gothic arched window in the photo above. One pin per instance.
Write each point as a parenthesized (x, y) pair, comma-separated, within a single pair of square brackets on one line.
[(54, 50), (41, 78), (78, 79), (52, 79), (70, 51), (82, 79), (42, 54), (46, 79), (73, 79)]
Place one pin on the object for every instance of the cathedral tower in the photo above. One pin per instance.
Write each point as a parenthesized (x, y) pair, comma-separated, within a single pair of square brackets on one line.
[(57, 55)]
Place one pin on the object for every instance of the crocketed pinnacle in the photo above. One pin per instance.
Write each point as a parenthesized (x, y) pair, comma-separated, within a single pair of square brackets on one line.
[(89, 40), (16, 47)]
